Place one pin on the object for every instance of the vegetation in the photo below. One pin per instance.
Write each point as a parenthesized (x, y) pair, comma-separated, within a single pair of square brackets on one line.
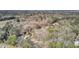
[(61, 45), (11, 40), (39, 29)]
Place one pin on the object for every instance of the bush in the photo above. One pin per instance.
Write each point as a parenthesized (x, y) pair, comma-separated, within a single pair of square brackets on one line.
[(75, 29), (11, 39), (52, 44), (53, 32), (61, 45), (70, 46), (25, 44), (56, 44), (51, 29)]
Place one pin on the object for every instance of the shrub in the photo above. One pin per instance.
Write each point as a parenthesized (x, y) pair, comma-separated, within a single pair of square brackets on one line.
[(11, 39), (61, 45), (52, 44), (75, 29), (53, 32), (71, 45), (56, 44), (25, 44), (52, 29)]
